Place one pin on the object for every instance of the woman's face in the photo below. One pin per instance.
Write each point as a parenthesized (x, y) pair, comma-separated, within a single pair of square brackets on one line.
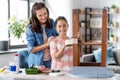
[(42, 15), (61, 27)]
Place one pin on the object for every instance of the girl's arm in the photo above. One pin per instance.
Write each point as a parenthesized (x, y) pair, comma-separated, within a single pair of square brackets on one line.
[(60, 52), (55, 53)]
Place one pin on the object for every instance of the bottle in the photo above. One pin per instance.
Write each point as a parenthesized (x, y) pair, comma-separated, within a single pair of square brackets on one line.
[(14, 65)]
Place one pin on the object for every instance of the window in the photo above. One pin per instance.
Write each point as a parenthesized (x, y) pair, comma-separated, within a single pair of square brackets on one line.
[(18, 9)]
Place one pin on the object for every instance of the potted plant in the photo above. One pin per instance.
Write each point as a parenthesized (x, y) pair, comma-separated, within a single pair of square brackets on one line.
[(113, 6), (111, 37), (17, 27), (111, 24), (82, 23), (114, 9)]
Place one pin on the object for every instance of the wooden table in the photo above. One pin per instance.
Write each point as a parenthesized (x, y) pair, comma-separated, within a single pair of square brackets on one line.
[(23, 76)]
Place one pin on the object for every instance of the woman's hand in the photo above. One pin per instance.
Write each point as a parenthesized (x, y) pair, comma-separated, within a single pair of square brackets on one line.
[(50, 39), (42, 68)]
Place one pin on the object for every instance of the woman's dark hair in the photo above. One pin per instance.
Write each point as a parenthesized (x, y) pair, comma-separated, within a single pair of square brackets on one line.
[(60, 18), (36, 26)]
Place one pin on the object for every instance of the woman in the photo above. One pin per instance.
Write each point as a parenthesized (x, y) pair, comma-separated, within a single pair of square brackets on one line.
[(39, 33)]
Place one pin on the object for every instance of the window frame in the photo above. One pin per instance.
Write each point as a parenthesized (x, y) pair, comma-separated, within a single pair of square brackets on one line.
[(28, 13)]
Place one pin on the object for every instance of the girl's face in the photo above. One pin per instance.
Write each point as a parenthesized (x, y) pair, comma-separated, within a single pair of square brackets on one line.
[(61, 27), (42, 15)]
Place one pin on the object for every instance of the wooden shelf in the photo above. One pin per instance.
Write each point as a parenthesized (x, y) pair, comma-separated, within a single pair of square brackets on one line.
[(90, 64), (94, 12), (82, 12), (77, 47), (100, 27), (98, 12), (95, 42), (93, 27)]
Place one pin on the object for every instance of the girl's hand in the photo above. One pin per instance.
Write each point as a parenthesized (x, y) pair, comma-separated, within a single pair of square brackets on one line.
[(79, 36), (63, 47)]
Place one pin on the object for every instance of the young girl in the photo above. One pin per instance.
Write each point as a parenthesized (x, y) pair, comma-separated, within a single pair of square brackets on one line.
[(62, 55)]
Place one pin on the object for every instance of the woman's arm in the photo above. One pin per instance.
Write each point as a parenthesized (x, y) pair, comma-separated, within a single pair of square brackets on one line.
[(30, 37), (43, 46), (39, 48)]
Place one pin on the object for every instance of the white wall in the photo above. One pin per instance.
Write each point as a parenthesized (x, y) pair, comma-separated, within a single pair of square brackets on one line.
[(94, 3), (3, 20), (61, 8), (100, 4), (86, 3)]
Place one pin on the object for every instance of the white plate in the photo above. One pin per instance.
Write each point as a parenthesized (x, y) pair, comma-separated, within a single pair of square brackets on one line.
[(56, 74)]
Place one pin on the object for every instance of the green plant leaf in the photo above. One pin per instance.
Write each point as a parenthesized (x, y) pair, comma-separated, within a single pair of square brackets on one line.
[(112, 35), (17, 27), (113, 6)]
